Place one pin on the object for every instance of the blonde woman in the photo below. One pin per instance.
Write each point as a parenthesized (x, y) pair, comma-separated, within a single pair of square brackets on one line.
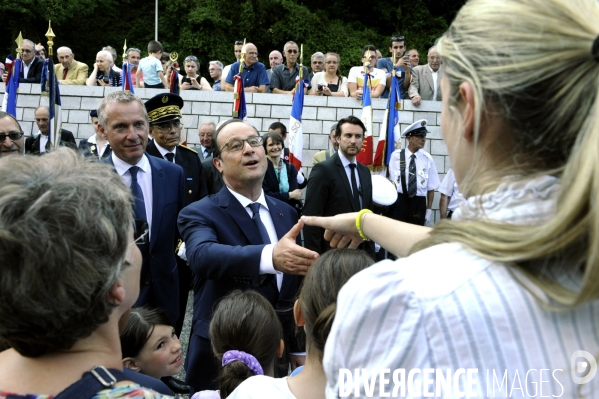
[(510, 286), (330, 82)]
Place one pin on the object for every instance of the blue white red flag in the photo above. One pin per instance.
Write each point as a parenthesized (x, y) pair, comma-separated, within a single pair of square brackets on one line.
[(126, 78), (296, 135), (50, 84), (174, 81), (239, 106), (365, 154), (9, 103), (389, 128)]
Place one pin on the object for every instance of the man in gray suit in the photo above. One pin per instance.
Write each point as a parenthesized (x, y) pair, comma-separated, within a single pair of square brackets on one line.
[(426, 79), (205, 131)]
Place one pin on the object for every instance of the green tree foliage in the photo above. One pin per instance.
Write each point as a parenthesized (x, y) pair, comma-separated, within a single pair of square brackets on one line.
[(208, 28)]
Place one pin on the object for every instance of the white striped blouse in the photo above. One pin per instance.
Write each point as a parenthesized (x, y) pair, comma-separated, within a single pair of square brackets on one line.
[(444, 309)]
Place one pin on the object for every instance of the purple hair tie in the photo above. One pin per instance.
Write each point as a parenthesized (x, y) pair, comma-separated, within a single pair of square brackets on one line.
[(245, 358)]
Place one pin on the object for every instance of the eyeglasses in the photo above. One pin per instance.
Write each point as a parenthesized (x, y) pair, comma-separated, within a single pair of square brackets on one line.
[(292, 51), (398, 39), (213, 69), (167, 126), (318, 62), (253, 53), (238, 144), (142, 238), (26, 51), (238, 43), (191, 58), (434, 58), (14, 136)]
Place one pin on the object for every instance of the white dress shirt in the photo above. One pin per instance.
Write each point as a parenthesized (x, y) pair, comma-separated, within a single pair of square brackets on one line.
[(163, 151), (447, 308), (449, 187), (144, 179), (43, 141), (435, 76), (266, 264), (345, 162), (93, 140), (427, 178)]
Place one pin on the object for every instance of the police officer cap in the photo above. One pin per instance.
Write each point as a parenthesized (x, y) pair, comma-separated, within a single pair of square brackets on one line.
[(417, 128), (164, 107), (93, 113)]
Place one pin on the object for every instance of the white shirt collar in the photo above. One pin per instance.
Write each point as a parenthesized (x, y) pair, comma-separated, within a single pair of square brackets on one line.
[(122, 166), (344, 160), (163, 150), (245, 201), (431, 69)]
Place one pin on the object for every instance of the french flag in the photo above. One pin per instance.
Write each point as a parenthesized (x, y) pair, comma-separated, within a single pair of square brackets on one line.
[(296, 136), (50, 83), (9, 102), (365, 155)]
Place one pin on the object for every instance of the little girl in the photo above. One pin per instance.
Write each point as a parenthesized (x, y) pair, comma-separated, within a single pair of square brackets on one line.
[(150, 345), (247, 337), (315, 311)]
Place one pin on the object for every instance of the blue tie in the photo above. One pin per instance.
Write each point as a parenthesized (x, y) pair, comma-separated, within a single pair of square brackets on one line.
[(138, 195), (256, 218)]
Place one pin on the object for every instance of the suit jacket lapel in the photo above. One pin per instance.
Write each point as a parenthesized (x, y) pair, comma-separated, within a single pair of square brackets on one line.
[(429, 78), (180, 159), (239, 215), (344, 179), (366, 185), (158, 181)]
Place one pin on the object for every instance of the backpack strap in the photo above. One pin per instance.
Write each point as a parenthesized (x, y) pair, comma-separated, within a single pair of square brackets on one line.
[(92, 382)]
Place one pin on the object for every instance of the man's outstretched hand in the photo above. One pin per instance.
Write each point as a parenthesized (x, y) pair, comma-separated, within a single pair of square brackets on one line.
[(288, 257)]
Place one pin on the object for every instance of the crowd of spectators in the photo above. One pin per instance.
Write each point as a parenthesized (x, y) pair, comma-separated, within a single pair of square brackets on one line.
[(322, 78)]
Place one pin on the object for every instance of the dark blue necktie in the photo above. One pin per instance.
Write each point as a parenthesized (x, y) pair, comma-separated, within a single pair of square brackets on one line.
[(169, 156), (255, 207), (138, 195), (354, 186), (412, 182)]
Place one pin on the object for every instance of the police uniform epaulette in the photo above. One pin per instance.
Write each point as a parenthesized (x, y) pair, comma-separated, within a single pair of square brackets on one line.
[(187, 148)]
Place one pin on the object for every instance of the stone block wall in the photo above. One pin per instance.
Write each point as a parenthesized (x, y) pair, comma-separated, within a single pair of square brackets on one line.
[(263, 109)]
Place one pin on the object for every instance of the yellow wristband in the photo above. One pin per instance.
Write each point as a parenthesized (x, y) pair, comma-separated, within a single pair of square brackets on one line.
[(359, 223)]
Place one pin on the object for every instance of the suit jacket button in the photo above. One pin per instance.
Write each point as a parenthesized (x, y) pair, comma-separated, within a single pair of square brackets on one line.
[(147, 282), (189, 191)]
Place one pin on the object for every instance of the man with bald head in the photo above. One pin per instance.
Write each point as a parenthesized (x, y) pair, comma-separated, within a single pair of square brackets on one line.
[(241, 239), (40, 143), (275, 58), (11, 135), (426, 79), (255, 78), (69, 71), (31, 68)]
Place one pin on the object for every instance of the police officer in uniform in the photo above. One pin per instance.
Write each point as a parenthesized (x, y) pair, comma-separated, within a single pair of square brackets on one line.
[(414, 174), (164, 115)]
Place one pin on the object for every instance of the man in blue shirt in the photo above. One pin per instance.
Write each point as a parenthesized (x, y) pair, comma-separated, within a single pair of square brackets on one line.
[(254, 74), (398, 66)]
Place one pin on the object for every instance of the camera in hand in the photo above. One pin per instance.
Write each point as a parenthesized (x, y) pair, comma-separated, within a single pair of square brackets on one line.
[(106, 79), (320, 87), (185, 79)]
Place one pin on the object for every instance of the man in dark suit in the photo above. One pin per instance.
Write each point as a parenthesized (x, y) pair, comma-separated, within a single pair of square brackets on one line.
[(164, 115), (31, 68), (239, 239), (205, 133), (157, 188), (213, 178), (339, 184), (39, 143)]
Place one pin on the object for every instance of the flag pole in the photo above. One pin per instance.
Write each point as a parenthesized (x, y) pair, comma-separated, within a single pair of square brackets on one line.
[(238, 86), (19, 42), (55, 140)]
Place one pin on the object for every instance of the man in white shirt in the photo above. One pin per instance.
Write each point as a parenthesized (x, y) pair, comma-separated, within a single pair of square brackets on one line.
[(414, 174), (39, 143), (426, 79), (157, 188), (239, 239), (355, 80)]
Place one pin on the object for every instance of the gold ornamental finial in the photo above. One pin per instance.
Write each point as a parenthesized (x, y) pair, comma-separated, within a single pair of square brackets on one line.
[(301, 61), (19, 42), (174, 56), (125, 51), (50, 35), (242, 58)]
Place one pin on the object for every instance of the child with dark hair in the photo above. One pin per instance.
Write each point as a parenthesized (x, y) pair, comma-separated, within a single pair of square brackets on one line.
[(246, 337), (149, 344), (315, 311)]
